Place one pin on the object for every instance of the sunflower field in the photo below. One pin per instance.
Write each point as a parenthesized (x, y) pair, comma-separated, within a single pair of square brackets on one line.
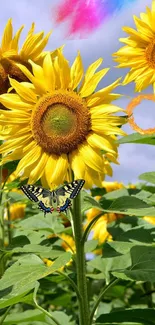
[(75, 249)]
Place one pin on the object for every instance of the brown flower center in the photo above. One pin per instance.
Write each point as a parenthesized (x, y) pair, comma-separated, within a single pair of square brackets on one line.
[(150, 54), (60, 122)]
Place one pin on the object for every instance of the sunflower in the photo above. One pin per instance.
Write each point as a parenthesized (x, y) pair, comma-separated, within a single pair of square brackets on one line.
[(56, 127), (138, 54), (10, 54)]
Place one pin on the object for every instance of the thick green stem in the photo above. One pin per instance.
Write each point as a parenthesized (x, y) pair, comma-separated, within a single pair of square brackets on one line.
[(80, 263)]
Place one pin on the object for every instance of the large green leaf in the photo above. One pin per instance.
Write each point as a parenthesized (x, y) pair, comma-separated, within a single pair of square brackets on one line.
[(116, 194), (39, 222), (138, 138), (142, 316), (148, 177), (143, 264), (106, 265), (130, 205), (21, 277)]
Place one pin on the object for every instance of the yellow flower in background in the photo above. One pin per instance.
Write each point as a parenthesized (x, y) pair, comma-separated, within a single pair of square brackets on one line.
[(150, 219), (17, 211), (138, 54), (50, 263), (68, 243), (112, 186), (55, 126), (10, 54)]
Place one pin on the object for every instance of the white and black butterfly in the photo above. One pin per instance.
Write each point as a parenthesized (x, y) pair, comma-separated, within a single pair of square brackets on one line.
[(59, 200)]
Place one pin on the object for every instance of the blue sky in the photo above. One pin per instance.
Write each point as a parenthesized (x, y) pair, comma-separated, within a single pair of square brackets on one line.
[(134, 159)]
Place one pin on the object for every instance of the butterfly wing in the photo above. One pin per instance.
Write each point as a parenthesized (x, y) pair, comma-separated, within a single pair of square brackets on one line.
[(40, 195), (67, 192)]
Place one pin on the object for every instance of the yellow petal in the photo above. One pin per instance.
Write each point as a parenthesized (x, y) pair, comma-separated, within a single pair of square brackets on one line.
[(29, 158), (60, 171), (24, 92), (91, 157), (76, 72), (7, 36), (101, 110), (64, 71), (99, 96), (38, 171), (104, 143), (15, 40), (90, 85), (8, 146), (92, 178), (38, 48), (13, 101), (50, 167), (40, 87), (92, 68), (107, 130), (77, 164), (49, 72), (37, 70)]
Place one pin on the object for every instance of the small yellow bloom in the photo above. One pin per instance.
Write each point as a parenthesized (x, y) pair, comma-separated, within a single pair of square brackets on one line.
[(50, 263), (138, 54), (100, 228), (112, 186), (150, 219), (68, 243), (17, 211)]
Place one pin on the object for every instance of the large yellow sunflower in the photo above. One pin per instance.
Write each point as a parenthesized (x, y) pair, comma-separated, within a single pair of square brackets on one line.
[(56, 126), (139, 52), (10, 54)]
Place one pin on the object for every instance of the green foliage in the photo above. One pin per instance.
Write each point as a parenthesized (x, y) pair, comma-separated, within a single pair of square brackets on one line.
[(38, 269), (138, 138)]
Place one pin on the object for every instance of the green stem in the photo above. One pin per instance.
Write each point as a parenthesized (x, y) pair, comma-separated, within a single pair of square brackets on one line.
[(80, 263), (4, 316), (9, 222), (90, 225), (2, 264), (104, 290), (73, 284), (46, 313)]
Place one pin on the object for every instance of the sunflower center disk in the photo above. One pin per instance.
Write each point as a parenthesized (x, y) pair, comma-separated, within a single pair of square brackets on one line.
[(60, 122), (150, 54)]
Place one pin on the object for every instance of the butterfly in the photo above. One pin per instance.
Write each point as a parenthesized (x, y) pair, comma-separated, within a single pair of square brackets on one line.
[(59, 199)]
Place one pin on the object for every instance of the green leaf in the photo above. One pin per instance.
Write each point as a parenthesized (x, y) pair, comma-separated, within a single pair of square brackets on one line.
[(88, 202), (39, 222), (148, 177), (142, 316), (90, 245), (130, 205), (42, 251), (106, 265), (138, 138), (25, 316), (128, 202), (116, 194), (21, 277), (143, 264)]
